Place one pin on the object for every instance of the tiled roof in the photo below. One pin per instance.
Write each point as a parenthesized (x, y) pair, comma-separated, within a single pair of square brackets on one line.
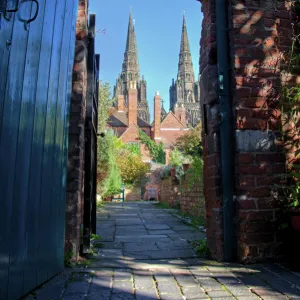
[(120, 119)]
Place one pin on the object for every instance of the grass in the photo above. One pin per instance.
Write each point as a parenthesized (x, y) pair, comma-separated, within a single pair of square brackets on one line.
[(201, 248), (163, 205), (194, 221), (99, 204)]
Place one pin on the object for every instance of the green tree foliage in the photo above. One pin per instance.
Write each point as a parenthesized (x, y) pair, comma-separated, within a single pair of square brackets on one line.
[(131, 166), (176, 158), (156, 150), (105, 101), (108, 176), (190, 143)]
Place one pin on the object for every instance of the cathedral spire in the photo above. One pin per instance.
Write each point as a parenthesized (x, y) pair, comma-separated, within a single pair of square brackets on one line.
[(185, 46), (131, 73), (185, 67), (184, 92), (131, 64)]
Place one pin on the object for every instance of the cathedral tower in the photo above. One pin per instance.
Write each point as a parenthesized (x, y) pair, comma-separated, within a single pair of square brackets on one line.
[(131, 72), (185, 91)]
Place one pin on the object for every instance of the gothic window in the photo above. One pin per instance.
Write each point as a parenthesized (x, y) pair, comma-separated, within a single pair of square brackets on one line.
[(130, 76), (188, 77)]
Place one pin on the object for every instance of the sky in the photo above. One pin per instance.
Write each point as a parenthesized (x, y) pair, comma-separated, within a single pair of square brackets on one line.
[(158, 25)]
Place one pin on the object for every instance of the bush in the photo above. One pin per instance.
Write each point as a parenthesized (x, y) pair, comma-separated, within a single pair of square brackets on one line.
[(176, 158), (190, 143), (131, 166)]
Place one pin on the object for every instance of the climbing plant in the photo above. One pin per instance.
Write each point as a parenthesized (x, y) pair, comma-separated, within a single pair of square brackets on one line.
[(290, 115), (156, 150)]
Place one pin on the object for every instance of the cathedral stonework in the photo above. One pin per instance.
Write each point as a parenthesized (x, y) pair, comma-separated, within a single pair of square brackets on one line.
[(131, 72), (185, 91)]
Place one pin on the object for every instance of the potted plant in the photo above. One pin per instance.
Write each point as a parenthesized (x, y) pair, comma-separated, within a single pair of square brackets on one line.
[(175, 161)]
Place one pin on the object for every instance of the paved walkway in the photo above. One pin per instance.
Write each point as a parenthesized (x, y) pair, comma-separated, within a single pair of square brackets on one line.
[(147, 255)]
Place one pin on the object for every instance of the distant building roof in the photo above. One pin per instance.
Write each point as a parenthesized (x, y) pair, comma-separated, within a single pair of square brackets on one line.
[(120, 119)]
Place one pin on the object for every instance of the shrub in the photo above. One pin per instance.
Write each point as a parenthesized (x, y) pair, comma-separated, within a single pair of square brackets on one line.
[(190, 143), (131, 166), (176, 158)]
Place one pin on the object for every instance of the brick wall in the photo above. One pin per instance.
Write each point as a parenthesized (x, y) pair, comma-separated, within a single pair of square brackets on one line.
[(189, 199), (210, 134), (192, 198), (75, 180), (259, 32)]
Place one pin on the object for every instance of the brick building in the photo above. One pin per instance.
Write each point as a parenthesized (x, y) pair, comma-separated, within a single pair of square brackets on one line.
[(166, 128)]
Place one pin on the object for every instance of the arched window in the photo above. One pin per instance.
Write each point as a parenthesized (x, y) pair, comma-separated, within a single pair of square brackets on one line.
[(130, 76)]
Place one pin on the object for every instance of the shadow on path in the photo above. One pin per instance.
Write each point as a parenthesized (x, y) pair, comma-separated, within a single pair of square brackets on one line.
[(147, 254)]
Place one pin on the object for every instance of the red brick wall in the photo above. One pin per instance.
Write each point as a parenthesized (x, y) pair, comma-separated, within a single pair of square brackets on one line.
[(210, 134), (192, 199), (189, 199), (132, 106), (157, 117), (169, 193), (259, 32), (75, 180)]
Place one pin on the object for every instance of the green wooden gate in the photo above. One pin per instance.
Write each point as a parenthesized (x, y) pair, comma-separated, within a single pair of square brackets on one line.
[(36, 62)]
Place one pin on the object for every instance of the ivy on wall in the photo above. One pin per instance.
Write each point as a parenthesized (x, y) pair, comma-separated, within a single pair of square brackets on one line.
[(156, 150)]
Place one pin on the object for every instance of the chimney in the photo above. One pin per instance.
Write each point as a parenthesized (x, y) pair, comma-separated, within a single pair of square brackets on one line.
[(157, 116), (120, 103), (180, 113), (132, 104)]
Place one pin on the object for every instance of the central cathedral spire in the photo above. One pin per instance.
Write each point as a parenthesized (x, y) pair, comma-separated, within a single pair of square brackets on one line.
[(185, 66), (131, 64), (131, 72)]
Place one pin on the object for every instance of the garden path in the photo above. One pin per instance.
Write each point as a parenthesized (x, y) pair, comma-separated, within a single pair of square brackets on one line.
[(147, 254)]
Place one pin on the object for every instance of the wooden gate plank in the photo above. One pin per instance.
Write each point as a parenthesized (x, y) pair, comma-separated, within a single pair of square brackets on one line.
[(59, 204), (5, 35), (25, 146), (8, 147), (36, 168), (47, 212)]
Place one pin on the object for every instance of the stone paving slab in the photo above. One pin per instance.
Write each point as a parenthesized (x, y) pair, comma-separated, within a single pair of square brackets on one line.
[(146, 255)]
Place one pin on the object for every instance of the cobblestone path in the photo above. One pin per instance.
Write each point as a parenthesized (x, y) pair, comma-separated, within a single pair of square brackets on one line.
[(147, 255)]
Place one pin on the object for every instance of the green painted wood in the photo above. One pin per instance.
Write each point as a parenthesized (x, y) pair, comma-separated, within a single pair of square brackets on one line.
[(8, 151), (47, 212), (35, 90), (5, 36)]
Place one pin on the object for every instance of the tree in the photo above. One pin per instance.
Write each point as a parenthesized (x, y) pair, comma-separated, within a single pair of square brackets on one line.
[(190, 144), (105, 101)]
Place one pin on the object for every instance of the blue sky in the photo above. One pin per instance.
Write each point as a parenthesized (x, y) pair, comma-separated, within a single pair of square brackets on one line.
[(158, 26)]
